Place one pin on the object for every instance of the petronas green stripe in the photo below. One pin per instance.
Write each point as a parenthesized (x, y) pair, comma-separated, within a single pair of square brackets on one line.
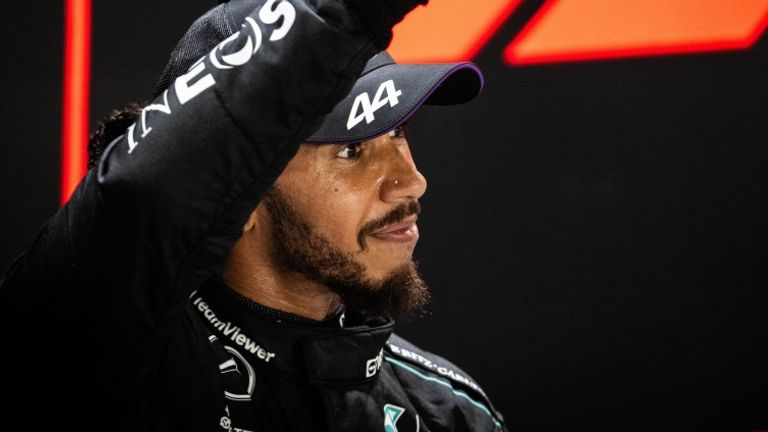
[(459, 393)]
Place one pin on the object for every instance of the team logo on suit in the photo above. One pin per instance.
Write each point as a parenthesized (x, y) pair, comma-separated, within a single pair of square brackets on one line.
[(392, 414)]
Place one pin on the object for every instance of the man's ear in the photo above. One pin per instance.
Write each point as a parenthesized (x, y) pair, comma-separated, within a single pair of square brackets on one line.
[(257, 216), (251, 222)]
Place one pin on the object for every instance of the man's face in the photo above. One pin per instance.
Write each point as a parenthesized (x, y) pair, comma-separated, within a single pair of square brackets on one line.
[(346, 192), (345, 216)]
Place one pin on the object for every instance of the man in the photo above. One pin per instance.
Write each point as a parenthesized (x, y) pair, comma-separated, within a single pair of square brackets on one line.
[(237, 256)]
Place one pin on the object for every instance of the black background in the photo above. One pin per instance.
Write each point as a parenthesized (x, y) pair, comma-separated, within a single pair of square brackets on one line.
[(594, 233)]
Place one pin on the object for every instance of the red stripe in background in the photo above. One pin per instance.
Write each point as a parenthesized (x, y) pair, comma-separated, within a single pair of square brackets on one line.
[(77, 67)]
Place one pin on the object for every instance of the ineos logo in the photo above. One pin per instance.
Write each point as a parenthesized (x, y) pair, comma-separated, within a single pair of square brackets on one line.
[(198, 79), (251, 45), (270, 13), (241, 56)]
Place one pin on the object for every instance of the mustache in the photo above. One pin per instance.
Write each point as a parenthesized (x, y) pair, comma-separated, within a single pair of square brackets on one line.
[(395, 215)]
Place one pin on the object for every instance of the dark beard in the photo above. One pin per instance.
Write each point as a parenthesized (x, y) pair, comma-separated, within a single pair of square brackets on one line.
[(297, 247)]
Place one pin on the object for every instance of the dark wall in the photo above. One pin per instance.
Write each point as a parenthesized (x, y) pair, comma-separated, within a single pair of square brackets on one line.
[(593, 232), (31, 123)]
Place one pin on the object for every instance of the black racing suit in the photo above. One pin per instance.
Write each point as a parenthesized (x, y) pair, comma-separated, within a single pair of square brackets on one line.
[(114, 319)]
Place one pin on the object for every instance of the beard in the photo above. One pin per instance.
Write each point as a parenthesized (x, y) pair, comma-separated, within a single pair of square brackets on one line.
[(297, 247)]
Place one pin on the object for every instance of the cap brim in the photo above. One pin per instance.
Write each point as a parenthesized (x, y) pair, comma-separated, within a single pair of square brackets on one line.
[(389, 95)]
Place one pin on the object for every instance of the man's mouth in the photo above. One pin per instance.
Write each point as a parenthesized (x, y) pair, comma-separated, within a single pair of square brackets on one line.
[(398, 225), (404, 231)]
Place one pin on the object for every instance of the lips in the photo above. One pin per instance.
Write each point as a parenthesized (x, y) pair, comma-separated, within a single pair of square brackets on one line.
[(404, 231)]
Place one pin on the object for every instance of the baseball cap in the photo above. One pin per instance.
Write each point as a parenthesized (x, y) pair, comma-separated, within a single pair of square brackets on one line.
[(385, 96)]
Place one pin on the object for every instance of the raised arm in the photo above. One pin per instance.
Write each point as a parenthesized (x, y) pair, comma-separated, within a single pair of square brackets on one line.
[(170, 196)]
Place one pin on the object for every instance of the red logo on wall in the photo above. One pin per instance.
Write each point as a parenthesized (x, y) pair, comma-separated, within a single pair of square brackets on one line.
[(570, 30)]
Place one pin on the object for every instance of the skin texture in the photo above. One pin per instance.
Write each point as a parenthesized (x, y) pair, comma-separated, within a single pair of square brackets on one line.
[(352, 196)]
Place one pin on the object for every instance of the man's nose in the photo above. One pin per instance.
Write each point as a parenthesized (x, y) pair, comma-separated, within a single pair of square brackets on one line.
[(403, 182)]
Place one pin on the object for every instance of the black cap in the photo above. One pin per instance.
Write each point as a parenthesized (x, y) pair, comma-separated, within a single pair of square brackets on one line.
[(387, 94), (384, 97)]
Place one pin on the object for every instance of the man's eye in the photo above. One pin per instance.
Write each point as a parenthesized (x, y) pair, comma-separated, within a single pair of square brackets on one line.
[(349, 151)]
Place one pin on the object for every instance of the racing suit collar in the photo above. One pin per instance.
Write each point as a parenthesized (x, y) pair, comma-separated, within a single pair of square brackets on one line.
[(318, 354)]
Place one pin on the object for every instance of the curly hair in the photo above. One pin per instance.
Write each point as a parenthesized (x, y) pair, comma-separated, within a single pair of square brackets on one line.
[(110, 128)]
